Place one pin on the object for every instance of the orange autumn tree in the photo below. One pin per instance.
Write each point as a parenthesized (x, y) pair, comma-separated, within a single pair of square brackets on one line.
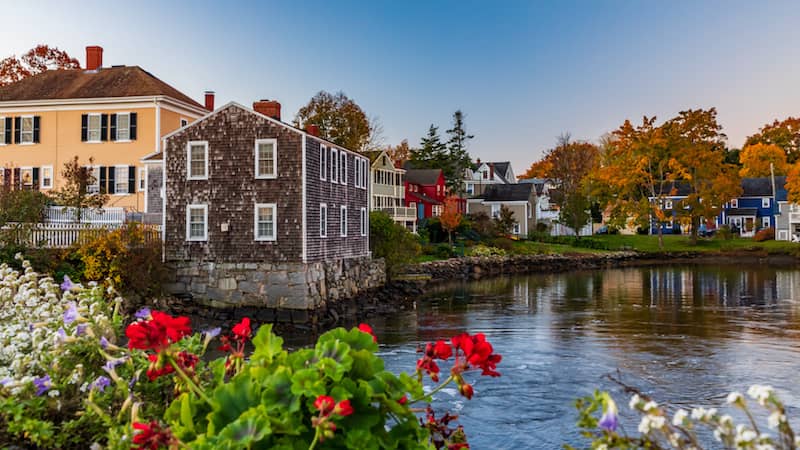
[(793, 183), (785, 134), (539, 169), (451, 217), (36, 60), (756, 160), (399, 153)]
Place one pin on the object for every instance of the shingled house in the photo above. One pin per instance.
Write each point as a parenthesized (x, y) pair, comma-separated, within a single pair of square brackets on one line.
[(520, 199), (259, 212)]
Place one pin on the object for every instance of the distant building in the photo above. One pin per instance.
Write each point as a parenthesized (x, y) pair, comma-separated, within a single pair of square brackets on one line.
[(426, 191), (758, 208), (520, 199), (487, 174), (388, 190)]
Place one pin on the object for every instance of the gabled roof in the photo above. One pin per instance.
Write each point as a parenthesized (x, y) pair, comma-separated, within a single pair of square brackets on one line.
[(425, 177), (674, 189), (762, 187), (424, 198), (501, 169), (507, 192), (372, 155), (110, 82)]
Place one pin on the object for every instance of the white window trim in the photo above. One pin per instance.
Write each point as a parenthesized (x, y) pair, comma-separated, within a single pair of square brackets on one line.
[(96, 174), (364, 221), (117, 139), (668, 204), (765, 202), (21, 170), (323, 162), (3, 134), (765, 222), (189, 209), (735, 203), (274, 173), (119, 166), (89, 128), (141, 183), (274, 235), (334, 165), (343, 221), (356, 170), (343, 167), (41, 177), (323, 229), (189, 160)]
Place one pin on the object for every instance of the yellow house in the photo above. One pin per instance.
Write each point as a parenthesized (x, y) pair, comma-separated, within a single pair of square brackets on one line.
[(114, 116)]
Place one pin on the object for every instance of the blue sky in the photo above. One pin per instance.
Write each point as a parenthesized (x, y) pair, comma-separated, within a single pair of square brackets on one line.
[(523, 72)]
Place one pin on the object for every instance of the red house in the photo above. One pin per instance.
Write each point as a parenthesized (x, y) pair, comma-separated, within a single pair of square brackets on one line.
[(426, 191)]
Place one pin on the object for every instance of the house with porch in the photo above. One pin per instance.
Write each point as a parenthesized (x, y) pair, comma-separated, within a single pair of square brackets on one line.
[(757, 207), (673, 194), (486, 174), (425, 190), (520, 199), (113, 116), (388, 190)]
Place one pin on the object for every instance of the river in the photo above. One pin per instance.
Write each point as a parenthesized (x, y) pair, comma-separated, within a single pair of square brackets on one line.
[(687, 335)]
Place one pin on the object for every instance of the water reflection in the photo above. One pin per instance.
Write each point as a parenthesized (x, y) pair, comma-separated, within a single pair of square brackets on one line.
[(688, 334)]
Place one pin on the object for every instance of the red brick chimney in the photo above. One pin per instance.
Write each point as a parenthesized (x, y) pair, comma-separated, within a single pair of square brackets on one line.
[(94, 57), (312, 129), (491, 171), (210, 100), (269, 108)]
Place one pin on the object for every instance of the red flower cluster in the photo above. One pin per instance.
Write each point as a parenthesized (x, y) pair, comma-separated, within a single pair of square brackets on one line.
[(151, 436), (158, 332), (328, 407), (368, 329), (158, 367), (242, 330), (478, 353), (234, 344), (440, 350)]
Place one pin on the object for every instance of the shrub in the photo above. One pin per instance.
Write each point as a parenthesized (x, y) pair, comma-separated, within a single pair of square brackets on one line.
[(483, 225), (724, 232), (125, 257), (391, 241), (766, 234), (503, 243), (482, 250), (443, 251)]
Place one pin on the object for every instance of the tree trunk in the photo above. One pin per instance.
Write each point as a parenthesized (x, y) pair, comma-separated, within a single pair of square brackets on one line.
[(660, 236), (450, 237), (695, 225)]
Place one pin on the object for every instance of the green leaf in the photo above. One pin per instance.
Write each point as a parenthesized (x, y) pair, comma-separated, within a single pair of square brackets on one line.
[(231, 400), (267, 345), (308, 382), (252, 426)]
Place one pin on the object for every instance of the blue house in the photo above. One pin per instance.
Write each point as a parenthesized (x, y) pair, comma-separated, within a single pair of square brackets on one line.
[(756, 208), (672, 196)]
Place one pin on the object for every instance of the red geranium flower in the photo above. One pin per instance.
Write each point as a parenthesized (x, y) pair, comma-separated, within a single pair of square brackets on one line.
[(151, 436), (343, 408), (442, 350), (466, 390), (403, 400), (324, 404), (242, 329), (175, 327), (367, 329), (157, 332)]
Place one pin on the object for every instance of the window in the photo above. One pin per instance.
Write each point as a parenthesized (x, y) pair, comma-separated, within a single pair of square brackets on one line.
[(343, 164), (3, 140), (266, 158), (363, 221), (668, 204), (765, 202), (93, 128), (495, 211), (343, 221), (334, 165), (197, 223), (516, 228), (365, 174), (47, 177), (123, 127), (142, 178), (94, 188), (356, 172), (197, 156), (323, 162), (470, 188), (735, 203), (121, 180), (184, 122), (265, 222), (765, 222), (323, 220), (26, 176), (26, 133)]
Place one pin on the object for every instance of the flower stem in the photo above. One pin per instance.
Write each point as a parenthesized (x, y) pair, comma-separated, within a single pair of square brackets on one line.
[(316, 438), (435, 390), (189, 381)]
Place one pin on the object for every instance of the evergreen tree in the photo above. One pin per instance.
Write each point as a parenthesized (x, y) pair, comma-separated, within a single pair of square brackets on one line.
[(432, 153), (458, 157)]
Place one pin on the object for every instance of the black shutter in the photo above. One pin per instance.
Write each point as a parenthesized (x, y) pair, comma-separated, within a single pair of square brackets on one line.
[(36, 123), (7, 137), (112, 172), (17, 129), (84, 127), (7, 179), (131, 179), (36, 178), (104, 127), (113, 127), (17, 178), (132, 125), (103, 178)]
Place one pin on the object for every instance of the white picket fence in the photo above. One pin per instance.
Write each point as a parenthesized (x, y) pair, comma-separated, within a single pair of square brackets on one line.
[(60, 214), (62, 235)]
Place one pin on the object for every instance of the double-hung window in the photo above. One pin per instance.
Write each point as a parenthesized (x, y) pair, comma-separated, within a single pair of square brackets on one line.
[(266, 154), (47, 177), (265, 222), (142, 178), (197, 222), (26, 130), (334, 165), (94, 176), (495, 211), (323, 162), (123, 127), (734, 203), (356, 172), (197, 160), (323, 220), (765, 202), (343, 163), (343, 221), (363, 221), (765, 222), (121, 180), (93, 130)]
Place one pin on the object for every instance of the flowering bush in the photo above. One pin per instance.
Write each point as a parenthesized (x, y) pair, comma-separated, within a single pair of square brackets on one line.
[(657, 430), (482, 250), (66, 382)]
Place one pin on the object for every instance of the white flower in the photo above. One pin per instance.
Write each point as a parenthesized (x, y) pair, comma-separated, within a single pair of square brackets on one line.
[(703, 414), (679, 418), (651, 422), (635, 400), (744, 435), (650, 406), (775, 419), (760, 393), (734, 397)]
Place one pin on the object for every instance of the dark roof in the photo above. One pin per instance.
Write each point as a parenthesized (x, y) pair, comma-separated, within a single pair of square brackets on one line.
[(507, 192), (501, 168), (132, 81), (424, 198), (424, 177), (742, 212), (372, 155), (762, 187), (675, 189)]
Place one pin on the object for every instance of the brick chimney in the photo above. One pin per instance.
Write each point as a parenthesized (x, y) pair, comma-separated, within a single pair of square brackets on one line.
[(269, 108), (491, 171), (210, 100), (312, 129), (94, 57)]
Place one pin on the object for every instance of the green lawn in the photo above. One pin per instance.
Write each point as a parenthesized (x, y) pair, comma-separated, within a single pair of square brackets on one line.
[(681, 243)]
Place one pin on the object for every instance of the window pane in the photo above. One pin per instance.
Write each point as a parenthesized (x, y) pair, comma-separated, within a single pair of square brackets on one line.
[(27, 129), (266, 159), (94, 128), (198, 162), (123, 127), (196, 222), (266, 222), (121, 180)]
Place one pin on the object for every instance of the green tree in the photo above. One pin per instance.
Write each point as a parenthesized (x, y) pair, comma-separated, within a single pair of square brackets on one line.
[(432, 152), (505, 221), (571, 163), (785, 134), (19, 211), (391, 241), (75, 193), (458, 157), (340, 120)]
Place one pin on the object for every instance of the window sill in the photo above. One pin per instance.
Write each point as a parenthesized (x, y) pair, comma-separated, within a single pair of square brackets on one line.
[(197, 178), (266, 177), (197, 240), (270, 239), (118, 194), (93, 142), (122, 141), (27, 143)]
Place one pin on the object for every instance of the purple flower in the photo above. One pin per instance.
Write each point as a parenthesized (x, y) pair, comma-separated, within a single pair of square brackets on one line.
[(67, 285), (30, 327), (62, 335), (81, 329), (5, 381), (42, 384), (609, 421), (101, 383), (143, 313), (212, 333), (71, 314), (132, 383), (103, 342), (113, 363)]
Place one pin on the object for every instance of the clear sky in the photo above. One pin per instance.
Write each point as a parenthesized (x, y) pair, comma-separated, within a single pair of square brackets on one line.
[(523, 72)]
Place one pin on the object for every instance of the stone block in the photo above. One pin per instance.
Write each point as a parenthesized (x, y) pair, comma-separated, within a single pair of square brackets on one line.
[(248, 287), (198, 288), (175, 288), (278, 277), (213, 293), (298, 277), (227, 284), (258, 276)]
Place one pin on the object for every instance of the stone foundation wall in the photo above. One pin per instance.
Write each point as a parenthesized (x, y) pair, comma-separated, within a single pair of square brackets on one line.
[(277, 286)]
